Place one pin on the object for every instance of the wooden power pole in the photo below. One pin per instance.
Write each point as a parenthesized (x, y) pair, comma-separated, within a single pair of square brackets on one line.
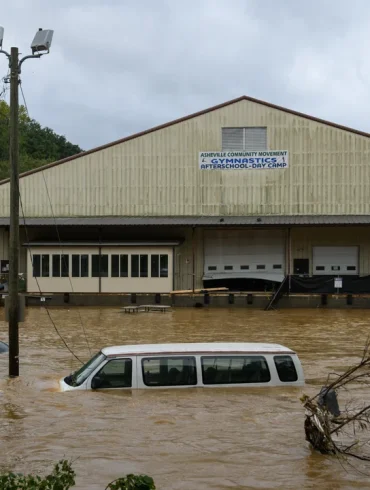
[(13, 300)]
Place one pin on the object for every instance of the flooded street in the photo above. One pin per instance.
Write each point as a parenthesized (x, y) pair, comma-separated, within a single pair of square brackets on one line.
[(190, 439)]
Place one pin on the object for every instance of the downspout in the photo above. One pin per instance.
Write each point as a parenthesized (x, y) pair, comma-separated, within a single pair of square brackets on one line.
[(100, 260), (193, 258), (289, 257)]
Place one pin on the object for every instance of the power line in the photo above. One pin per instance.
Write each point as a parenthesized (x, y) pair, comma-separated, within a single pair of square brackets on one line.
[(62, 254)]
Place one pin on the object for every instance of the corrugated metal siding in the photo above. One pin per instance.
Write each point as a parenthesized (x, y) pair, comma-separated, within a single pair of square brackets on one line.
[(303, 241), (157, 174)]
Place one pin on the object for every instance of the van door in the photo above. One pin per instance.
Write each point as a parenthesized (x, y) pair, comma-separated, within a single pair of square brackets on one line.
[(116, 373)]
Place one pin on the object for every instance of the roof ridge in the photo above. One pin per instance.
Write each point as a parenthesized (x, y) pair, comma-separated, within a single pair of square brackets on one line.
[(186, 118)]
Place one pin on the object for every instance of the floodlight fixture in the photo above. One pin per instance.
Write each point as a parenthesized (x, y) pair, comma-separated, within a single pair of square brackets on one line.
[(1, 36), (42, 41)]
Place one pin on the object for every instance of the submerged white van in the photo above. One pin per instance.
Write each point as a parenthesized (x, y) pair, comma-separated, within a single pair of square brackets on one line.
[(205, 365)]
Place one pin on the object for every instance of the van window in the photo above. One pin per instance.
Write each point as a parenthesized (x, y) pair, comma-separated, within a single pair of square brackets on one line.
[(117, 373), (169, 371), (285, 368), (234, 369)]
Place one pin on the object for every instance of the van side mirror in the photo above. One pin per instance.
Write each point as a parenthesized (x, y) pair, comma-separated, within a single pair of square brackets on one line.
[(96, 382)]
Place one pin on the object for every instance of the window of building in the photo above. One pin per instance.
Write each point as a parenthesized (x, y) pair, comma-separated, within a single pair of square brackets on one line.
[(351, 267), (285, 368), (60, 265), (244, 267), (117, 373), (320, 267), (163, 265), (234, 369), (159, 265), (244, 138), (212, 268), (228, 267), (169, 371), (99, 265), (335, 267), (139, 265), (41, 265), (80, 265), (119, 266), (277, 266), (261, 267), (36, 265)]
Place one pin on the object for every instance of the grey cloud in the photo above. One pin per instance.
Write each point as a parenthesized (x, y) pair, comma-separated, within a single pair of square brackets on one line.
[(123, 66)]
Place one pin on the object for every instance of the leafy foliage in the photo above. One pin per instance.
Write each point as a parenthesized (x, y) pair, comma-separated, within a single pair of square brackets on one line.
[(63, 478), (37, 145), (132, 482)]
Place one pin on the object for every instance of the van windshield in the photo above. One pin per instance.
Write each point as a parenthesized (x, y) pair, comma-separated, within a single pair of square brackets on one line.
[(78, 377)]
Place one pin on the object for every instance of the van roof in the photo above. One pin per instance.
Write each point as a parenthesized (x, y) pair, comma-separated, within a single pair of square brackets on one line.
[(229, 347)]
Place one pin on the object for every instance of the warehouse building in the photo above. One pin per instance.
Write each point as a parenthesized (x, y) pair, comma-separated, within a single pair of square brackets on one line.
[(245, 195)]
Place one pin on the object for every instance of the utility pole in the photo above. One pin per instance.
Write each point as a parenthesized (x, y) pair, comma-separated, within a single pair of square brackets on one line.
[(13, 300), (40, 46)]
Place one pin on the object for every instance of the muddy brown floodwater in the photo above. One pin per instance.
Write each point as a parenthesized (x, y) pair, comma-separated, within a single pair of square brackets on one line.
[(185, 439)]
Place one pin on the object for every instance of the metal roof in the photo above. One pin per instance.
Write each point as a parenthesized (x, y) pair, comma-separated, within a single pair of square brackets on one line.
[(199, 221), (186, 118), (136, 243)]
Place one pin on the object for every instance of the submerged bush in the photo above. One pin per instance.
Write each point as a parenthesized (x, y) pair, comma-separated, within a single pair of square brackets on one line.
[(63, 478)]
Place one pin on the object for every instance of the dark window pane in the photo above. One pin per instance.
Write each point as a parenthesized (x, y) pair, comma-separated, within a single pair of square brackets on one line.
[(285, 368), (320, 267), (115, 266), (64, 259), (36, 263), (155, 265), (169, 371), (228, 267), (56, 265), (277, 266), (143, 266), (84, 266), (164, 265), (124, 265), (117, 373), (104, 266), (244, 267), (351, 267), (261, 267), (75, 266), (234, 370), (335, 268), (45, 264), (134, 266), (212, 267), (95, 265)]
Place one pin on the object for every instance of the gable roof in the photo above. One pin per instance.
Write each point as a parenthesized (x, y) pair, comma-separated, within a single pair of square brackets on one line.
[(186, 118)]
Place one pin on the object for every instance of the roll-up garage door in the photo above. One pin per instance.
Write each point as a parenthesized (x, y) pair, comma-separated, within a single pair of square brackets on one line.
[(335, 260), (257, 254)]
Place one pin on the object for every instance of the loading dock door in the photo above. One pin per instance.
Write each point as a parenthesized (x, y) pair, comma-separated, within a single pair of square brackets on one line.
[(335, 261), (255, 254)]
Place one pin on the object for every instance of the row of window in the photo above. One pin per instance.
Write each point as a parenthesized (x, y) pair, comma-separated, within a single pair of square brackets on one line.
[(85, 265), (181, 371), (244, 267), (336, 267)]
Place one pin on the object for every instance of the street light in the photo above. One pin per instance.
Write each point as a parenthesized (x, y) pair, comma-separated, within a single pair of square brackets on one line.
[(40, 46)]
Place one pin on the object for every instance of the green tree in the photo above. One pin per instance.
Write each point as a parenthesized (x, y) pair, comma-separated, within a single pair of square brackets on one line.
[(37, 145)]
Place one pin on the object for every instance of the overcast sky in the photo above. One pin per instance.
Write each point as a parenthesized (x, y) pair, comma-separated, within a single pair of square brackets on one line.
[(121, 66)]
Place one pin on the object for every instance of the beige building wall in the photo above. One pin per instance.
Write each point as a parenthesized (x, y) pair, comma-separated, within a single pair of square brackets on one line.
[(106, 284), (304, 239), (157, 174)]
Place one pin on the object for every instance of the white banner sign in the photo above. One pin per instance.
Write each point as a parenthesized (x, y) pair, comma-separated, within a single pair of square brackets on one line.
[(243, 160)]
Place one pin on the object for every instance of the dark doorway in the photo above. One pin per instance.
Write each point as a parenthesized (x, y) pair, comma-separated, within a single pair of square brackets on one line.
[(301, 266)]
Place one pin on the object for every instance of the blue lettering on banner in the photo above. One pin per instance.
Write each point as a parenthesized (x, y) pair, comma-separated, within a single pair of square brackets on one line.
[(250, 160)]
